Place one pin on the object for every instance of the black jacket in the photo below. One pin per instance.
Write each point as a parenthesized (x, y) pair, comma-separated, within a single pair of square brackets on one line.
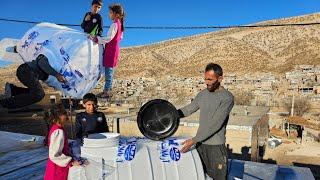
[(90, 124), (41, 67), (95, 20)]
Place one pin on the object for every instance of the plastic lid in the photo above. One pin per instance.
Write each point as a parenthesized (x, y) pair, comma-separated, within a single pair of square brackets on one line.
[(158, 119)]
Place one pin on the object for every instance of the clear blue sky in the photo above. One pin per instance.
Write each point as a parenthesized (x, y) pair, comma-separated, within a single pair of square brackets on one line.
[(153, 13)]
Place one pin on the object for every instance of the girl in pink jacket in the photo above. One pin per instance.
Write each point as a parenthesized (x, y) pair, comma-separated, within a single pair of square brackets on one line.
[(59, 159), (112, 46)]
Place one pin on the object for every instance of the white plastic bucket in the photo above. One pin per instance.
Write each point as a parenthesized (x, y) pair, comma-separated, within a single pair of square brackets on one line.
[(101, 140)]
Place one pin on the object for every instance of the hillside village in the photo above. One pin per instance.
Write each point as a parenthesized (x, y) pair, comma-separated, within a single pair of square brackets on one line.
[(261, 88)]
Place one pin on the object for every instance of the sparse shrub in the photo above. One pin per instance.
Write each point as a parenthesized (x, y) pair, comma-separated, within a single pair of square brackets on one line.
[(243, 98)]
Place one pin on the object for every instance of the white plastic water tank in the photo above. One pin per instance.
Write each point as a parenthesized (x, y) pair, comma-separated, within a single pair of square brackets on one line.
[(137, 159), (69, 52), (101, 140)]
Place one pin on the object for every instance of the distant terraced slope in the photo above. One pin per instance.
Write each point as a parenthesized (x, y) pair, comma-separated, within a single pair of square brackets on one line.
[(245, 50)]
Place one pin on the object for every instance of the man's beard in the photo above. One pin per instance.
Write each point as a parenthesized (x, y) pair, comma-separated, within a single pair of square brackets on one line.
[(213, 87)]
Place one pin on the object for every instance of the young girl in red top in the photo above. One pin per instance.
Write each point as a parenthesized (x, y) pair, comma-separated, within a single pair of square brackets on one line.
[(112, 46), (59, 159)]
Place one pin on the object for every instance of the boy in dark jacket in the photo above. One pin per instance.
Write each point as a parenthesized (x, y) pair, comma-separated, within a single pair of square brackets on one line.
[(91, 121), (92, 22)]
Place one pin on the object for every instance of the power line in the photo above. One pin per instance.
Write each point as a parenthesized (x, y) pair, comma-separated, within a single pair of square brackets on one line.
[(31, 22), (177, 27), (219, 27)]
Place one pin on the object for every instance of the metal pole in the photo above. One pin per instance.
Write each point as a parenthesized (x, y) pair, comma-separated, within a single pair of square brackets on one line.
[(292, 105), (288, 129), (118, 125), (70, 109)]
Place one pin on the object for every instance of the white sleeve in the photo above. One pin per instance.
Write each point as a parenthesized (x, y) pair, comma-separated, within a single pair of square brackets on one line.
[(110, 35), (55, 149)]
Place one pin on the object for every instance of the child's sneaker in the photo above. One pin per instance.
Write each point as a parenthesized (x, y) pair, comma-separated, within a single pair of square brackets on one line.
[(104, 94), (12, 49)]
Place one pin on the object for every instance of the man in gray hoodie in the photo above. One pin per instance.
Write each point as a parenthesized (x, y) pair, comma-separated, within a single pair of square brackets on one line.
[(215, 104)]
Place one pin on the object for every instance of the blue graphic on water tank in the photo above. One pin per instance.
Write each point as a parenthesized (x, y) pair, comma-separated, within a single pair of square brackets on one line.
[(175, 154), (169, 150), (126, 150), (31, 37), (130, 152)]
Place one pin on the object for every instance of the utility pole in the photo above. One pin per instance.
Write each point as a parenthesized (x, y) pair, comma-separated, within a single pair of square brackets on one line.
[(292, 104)]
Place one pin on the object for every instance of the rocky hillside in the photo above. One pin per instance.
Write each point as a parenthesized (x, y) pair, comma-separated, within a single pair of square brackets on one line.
[(238, 50)]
